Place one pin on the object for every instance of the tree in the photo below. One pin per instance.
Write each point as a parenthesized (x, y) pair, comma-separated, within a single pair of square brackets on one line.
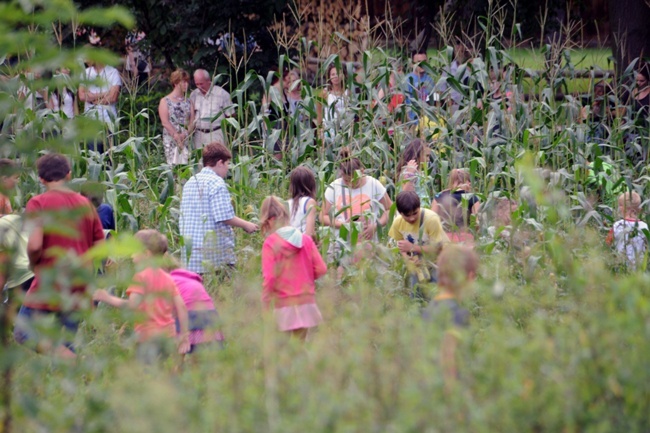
[(191, 33), (630, 30)]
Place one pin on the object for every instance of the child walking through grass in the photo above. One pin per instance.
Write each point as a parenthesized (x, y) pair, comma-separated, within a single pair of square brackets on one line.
[(155, 296), (291, 264)]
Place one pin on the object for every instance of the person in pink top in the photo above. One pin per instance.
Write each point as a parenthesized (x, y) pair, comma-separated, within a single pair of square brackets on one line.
[(203, 316), (291, 264), (155, 296)]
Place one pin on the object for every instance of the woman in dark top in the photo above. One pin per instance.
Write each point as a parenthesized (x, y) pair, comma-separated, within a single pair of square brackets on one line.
[(459, 187)]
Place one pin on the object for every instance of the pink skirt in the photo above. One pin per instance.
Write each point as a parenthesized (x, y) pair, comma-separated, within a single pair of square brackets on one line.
[(298, 317)]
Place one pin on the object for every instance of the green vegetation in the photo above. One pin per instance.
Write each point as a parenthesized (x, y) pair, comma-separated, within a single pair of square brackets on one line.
[(559, 328)]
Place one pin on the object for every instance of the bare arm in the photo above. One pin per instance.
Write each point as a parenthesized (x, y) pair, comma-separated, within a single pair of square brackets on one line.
[(183, 321), (248, 227), (310, 222), (4, 268), (35, 245), (163, 112), (387, 203), (132, 303), (85, 95), (325, 216)]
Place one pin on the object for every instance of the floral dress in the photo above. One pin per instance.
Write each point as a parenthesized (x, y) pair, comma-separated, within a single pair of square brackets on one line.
[(179, 117)]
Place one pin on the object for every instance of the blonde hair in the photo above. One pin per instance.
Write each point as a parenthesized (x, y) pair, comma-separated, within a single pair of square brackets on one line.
[(457, 177), (456, 264), (630, 202), (503, 211), (273, 208), (179, 75), (154, 241)]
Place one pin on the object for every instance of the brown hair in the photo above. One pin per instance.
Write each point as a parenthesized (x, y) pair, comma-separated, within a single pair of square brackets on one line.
[(154, 241), (8, 167), (273, 207), (503, 211), (457, 177), (451, 213), (179, 75), (342, 76), (302, 183), (215, 152), (407, 202), (630, 202), (347, 163), (52, 167), (456, 264), (413, 151)]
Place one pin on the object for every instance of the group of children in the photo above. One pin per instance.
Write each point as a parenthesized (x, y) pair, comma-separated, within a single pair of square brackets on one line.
[(172, 302)]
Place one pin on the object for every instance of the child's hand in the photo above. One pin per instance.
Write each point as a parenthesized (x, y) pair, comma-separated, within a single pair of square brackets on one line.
[(411, 166), (250, 228), (369, 231), (406, 247), (183, 343), (100, 295)]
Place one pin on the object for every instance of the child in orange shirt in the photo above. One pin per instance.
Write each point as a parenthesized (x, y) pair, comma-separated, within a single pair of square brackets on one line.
[(154, 294)]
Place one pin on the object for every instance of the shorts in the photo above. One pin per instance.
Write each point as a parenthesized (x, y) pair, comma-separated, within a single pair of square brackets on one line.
[(31, 322), (156, 349), (203, 327), (298, 317)]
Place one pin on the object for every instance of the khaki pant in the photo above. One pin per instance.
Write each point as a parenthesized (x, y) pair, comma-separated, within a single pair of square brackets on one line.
[(203, 138)]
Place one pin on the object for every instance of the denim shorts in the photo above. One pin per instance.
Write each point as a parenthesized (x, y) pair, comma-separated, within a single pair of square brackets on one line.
[(32, 323)]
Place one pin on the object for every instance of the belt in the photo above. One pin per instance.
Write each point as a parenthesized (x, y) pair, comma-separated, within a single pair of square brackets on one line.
[(207, 131)]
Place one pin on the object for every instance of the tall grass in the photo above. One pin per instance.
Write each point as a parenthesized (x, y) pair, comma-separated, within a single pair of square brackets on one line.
[(558, 333)]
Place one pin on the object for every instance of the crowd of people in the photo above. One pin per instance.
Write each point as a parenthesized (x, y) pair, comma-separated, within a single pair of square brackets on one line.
[(431, 231)]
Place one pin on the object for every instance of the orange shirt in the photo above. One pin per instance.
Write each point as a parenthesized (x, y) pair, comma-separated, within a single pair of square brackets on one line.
[(157, 289)]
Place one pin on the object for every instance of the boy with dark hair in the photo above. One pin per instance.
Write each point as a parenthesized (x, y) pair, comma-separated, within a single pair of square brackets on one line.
[(64, 226), (419, 235), (94, 191), (207, 216), (9, 172)]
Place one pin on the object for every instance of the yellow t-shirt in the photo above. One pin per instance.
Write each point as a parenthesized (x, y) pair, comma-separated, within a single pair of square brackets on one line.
[(432, 232)]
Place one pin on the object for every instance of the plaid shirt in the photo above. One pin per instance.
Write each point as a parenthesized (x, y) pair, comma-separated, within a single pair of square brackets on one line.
[(204, 205)]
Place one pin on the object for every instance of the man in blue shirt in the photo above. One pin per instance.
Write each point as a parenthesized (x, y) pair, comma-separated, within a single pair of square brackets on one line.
[(420, 85)]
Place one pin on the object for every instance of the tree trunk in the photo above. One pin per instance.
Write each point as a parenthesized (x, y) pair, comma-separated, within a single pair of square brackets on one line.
[(630, 31)]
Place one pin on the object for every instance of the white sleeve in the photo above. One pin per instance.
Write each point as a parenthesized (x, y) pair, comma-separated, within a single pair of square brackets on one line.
[(114, 79), (378, 190), (330, 193)]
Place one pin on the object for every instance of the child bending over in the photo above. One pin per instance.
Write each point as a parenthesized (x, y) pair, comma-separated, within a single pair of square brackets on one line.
[(154, 295), (419, 235)]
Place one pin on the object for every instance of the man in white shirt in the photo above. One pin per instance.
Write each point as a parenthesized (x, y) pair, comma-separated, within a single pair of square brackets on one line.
[(100, 91), (211, 103)]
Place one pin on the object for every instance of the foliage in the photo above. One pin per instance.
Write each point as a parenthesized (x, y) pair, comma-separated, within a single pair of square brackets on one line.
[(558, 329), (186, 33)]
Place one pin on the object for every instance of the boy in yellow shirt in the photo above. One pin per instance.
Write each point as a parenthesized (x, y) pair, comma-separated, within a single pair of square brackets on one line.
[(419, 236)]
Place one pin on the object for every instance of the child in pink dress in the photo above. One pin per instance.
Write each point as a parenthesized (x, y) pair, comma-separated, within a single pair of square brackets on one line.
[(291, 264)]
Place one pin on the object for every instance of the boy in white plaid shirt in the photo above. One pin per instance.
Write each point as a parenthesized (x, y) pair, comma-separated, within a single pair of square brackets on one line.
[(207, 216)]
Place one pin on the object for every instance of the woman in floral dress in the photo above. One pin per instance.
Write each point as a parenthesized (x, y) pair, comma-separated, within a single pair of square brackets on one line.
[(176, 116)]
